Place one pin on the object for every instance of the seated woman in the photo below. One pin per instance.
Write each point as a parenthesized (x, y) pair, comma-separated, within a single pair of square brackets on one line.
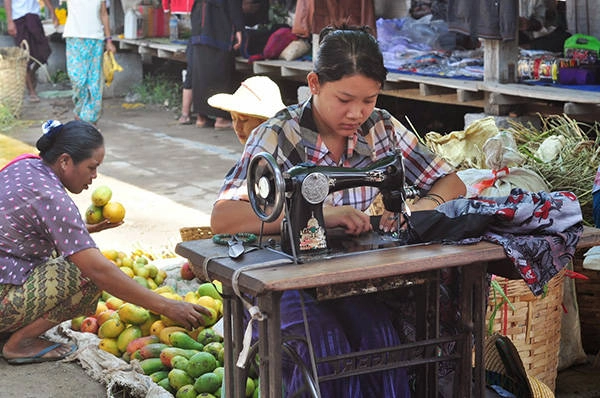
[(257, 99), (339, 125), (50, 267)]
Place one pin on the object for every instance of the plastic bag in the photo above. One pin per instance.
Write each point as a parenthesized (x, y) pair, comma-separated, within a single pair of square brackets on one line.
[(109, 67)]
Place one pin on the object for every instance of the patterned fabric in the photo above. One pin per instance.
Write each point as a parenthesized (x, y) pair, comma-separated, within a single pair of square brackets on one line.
[(38, 218), (539, 231), (292, 137), (84, 66), (55, 291)]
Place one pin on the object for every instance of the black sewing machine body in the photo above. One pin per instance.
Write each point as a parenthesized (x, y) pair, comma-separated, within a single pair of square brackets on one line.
[(303, 189)]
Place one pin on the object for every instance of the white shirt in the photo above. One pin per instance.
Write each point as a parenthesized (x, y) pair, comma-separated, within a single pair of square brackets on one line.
[(83, 19), (23, 7)]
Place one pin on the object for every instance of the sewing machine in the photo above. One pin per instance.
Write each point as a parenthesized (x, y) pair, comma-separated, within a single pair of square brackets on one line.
[(301, 191)]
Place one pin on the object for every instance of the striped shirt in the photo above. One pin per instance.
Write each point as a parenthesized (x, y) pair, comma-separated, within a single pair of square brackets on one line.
[(291, 137)]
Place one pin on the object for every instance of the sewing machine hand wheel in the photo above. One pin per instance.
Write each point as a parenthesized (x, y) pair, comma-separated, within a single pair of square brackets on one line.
[(266, 187)]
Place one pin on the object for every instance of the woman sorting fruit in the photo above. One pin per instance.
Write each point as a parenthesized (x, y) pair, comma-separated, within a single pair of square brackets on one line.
[(50, 268), (339, 126)]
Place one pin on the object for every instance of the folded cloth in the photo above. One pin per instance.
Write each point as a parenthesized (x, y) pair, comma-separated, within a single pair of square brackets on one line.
[(539, 231)]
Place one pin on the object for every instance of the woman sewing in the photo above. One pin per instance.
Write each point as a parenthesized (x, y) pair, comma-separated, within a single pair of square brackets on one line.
[(50, 267), (339, 125)]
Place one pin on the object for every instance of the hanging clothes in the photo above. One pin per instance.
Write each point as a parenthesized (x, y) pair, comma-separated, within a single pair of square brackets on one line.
[(178, 6), (312, 16), (488, 19)]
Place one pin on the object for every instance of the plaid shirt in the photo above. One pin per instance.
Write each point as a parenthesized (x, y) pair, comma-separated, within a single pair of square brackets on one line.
[(292, 138)]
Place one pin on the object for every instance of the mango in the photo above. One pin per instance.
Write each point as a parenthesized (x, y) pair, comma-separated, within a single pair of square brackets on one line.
[(214, 348), (179, 378), (156, 327), (152, 365), (134, 314), (207, 382), (179, 362), (164, 383), (183, 340), (167, 354), (200, 363), (111, 328), (164, 289), (208, 335), (209, 289), (158, 376), (166, 332), (136, 355), (130, 333), (152, 350), (147, 326), (136, 344), (109, 345), (186, 391)]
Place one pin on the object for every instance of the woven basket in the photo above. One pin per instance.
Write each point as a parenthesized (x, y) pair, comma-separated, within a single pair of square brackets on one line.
[(13, 68), (195, 233), (534, 325), (588, 298)]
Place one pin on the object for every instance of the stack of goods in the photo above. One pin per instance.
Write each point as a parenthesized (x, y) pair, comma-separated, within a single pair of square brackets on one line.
[(580, 64)]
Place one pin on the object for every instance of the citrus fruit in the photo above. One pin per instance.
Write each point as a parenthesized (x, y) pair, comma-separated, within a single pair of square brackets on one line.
[(93, 214), (101, 195), (113, 212)]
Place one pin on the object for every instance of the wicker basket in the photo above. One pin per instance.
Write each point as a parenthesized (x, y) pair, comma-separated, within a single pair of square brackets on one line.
[(534, 325), (13, 68), (195, 233), (588, 300)]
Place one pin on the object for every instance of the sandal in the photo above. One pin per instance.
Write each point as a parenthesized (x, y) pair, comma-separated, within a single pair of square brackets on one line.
[(184, 119), (201, 122)]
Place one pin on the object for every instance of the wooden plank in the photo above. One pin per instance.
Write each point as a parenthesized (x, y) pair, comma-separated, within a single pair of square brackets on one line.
[(461, 84), (542, 92), (450, 98)]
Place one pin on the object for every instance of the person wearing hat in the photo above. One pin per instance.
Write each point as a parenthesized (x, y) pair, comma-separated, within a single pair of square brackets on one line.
[(257, 99)]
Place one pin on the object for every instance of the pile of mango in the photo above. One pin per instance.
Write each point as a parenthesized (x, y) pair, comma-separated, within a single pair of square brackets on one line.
[(138, 266)]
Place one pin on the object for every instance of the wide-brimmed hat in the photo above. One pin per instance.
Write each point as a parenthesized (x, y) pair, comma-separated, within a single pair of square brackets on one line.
[(504, 367), (257, 96)]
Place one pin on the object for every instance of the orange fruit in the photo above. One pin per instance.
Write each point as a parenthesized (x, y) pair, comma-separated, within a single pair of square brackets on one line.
[(113, 212)]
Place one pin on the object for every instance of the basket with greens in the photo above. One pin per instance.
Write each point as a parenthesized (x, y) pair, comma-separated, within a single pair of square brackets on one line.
[(564, 152)]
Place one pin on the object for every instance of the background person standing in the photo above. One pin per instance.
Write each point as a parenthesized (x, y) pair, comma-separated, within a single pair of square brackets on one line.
[(216, 33), (24, 23)]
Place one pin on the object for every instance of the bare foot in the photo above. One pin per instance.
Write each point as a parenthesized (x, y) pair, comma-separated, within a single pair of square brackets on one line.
[(34, 98), (201, 121), (30, 348), (222, 123)]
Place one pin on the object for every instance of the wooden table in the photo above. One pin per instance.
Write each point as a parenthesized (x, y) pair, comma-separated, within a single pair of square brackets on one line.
[(267, 274)]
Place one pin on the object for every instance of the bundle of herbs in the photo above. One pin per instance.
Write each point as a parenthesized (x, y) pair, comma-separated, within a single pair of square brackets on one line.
[(564, 152)]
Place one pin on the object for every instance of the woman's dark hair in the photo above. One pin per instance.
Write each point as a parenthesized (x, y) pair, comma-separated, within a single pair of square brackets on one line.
[(76, 138), (346, 51)]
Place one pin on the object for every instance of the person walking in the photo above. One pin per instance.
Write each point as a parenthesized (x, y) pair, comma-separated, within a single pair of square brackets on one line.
[(87, 35), (24, 23)]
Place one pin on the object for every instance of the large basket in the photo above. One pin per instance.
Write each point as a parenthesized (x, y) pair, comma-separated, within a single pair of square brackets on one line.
[(13, 67), (533, 326), (195, 233), (588, 298)]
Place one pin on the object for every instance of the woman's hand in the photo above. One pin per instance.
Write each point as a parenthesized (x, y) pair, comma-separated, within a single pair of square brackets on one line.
[(187, 314), (102, 225), (389, 221), (354, 221)]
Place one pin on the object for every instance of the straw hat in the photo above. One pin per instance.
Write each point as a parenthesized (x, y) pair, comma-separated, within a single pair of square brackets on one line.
[(256, 96), (504, 367)]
